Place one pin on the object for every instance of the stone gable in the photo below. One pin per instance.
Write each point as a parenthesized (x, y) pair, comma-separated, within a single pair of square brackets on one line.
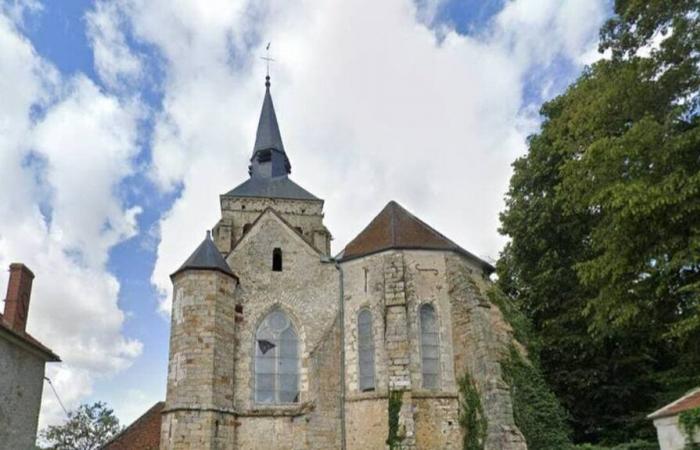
[(273, 355)]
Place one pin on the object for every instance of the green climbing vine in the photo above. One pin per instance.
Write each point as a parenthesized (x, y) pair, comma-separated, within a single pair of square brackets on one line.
[(394, 438), (471, 415), (536, 410), (689, 422)]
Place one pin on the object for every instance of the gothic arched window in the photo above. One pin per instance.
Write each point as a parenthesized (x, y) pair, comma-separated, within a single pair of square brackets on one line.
[(365, 346), (429, 347), (276, 360)]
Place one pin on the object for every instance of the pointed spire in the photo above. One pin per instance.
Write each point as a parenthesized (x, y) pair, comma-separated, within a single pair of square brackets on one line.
[(269, 158), (206, 257)]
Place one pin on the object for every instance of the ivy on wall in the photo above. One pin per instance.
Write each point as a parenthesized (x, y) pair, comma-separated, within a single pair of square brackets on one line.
[(536, 410), (471, 415), (689, 422), (634, 445), (394, 439)]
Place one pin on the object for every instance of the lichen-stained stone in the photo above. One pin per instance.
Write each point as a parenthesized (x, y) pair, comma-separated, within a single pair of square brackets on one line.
[(211, 383), (472, 338), (199, 405), (307, 289), (239, 213)]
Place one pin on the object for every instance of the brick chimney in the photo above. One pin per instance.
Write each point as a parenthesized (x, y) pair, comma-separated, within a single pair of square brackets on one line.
[(19, 290)]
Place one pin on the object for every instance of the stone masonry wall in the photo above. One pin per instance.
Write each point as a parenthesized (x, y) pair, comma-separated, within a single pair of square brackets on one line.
[(393, 285), (307, 289), (484, 337), (237, 212), (199, 401), (366, 412), (324, 386), (472, 336)]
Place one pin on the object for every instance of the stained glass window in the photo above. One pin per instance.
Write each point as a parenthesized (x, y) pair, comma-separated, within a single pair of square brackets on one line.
[(429, 347), (366, 350), (276, 360)]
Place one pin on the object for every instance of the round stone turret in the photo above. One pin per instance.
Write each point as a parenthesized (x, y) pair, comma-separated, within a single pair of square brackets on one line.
[(199, 400)]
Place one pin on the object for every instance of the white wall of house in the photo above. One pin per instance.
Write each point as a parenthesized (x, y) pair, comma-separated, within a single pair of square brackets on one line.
[(670, 435)]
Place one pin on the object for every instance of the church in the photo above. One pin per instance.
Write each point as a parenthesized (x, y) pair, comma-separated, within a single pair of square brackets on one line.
[(276, 344)]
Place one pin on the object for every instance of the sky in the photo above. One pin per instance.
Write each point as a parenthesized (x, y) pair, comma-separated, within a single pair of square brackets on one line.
[(121, 122)]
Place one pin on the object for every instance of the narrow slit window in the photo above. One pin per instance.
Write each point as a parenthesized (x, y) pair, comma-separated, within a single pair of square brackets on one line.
[(365, 347), (277, 260), (429, 340)]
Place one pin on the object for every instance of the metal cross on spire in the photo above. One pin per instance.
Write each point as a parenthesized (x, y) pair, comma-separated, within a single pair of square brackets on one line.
[(267, 59)]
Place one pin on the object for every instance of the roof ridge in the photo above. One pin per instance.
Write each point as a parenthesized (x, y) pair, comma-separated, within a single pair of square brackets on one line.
[(431, 229), (275, 213), (392, 218), (30, 340), (396, 227), (668, 409), (158, 405)]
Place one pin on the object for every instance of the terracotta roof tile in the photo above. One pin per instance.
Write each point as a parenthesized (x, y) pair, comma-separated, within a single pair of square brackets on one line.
[(142, 434), (690, 400), (396, 228)]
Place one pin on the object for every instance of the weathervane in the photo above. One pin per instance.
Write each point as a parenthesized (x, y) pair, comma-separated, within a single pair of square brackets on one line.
[(267, 59)]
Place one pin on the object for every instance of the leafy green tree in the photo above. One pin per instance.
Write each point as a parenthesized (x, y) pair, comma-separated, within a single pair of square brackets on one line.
[(88, 427), (604, 218)]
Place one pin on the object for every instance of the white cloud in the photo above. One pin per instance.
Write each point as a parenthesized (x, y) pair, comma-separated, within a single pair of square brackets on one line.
[(115, 62), (372, 106), (132, 403), (64, 147)]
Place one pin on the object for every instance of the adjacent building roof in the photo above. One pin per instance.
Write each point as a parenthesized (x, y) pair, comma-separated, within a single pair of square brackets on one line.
[(691, 400), (29, 340), (396, 228), (142, 434), (279, 187), (206, 257)]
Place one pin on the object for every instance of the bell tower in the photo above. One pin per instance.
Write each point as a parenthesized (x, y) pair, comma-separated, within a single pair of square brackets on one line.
[(269, 186)]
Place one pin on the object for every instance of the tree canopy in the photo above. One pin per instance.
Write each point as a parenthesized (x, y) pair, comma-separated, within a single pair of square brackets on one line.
[(88, 427), (603, 213)]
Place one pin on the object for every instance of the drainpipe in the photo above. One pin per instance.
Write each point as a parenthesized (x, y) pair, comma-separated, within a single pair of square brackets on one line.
[(341, 317)]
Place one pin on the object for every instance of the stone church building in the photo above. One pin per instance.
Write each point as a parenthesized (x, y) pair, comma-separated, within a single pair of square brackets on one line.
[(275, 344)]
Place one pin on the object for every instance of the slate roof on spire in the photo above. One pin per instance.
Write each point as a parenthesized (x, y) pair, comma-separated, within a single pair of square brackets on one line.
[(206, 257), (279, 187), (396, 228), (270, 167), (268, 135)]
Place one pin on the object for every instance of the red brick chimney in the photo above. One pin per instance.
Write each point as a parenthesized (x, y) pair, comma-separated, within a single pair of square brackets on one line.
[(19, 289)]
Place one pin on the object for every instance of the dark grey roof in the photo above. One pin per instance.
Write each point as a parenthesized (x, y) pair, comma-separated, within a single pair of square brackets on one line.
[(269, 158), (269, 166), (268, 135), (278, 187), (206, 257)]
